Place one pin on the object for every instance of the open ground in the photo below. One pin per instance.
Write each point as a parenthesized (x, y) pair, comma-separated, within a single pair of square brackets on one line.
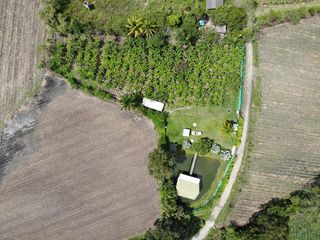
[(286, 133), (79, 172), (20, 33)]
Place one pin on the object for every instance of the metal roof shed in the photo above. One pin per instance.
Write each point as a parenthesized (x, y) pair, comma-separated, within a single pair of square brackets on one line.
[(188, 187), (212, 4), (155, 105)]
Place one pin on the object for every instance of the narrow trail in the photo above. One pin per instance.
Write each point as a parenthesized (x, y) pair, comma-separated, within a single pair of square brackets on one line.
[(210, 223)]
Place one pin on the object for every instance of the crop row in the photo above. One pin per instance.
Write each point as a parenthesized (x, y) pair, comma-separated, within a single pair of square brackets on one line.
[(200, 75)]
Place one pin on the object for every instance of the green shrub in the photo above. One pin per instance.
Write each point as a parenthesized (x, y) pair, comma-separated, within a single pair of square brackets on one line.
[(174, 20), (160, 164), (188, 32), (234, 17), (203, 146)]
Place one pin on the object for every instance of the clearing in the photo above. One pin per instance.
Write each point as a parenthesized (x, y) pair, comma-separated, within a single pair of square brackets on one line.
[(20, 32), (286, 133), (80, 172)]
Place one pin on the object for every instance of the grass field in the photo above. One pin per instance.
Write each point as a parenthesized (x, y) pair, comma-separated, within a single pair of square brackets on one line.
[(208, 119), (114, 13)]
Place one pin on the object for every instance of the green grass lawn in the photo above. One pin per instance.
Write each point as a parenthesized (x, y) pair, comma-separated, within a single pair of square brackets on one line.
[(208, 119), (113, 14)]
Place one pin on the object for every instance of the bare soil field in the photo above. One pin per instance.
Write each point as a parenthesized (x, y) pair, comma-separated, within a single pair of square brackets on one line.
[(286, 134), (75, 167), (20, 34)]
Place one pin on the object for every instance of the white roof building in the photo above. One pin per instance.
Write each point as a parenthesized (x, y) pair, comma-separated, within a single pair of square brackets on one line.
[(155, 105), (186, 132), (188, 187)]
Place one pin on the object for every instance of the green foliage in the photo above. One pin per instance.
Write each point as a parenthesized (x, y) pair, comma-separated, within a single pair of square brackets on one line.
[(227, 128), (239, 133), (188, 33), (203, 146), (234, 17), (199, 75), (274, 220), (130, 101), (135, 27), (149, 28), (293, 15), (174, 20), (160, 164), (169, 204)]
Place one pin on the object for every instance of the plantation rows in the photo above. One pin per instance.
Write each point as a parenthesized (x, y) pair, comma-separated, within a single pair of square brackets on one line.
[(200, 75)]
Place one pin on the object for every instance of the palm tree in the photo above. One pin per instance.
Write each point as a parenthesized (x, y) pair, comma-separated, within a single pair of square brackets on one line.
[(135, 27), (126, 102), (149, 28), (227, 128)]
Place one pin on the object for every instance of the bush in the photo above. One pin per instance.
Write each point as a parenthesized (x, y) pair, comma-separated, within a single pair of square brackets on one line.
[(234, 17), (160, 164), (174, 20), (203, 146), (188, 33)]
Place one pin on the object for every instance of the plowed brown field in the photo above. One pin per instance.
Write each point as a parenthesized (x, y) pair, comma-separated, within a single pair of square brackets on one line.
[(20, 33), (78, 170)]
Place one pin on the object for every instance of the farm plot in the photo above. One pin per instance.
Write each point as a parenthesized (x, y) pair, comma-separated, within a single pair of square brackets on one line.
[(286, 135), (20, 33), (79, 173)]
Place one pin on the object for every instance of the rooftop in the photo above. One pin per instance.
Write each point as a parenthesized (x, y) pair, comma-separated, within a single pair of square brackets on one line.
[(188, 186)]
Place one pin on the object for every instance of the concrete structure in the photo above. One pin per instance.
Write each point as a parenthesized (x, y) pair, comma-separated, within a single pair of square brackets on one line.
[(212, 4), (155, 105), (194, 160), (186, 132), (188, 187), (221, 29)]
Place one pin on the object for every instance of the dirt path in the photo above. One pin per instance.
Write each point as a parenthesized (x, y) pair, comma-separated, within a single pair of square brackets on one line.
[(78, 170), (20, 34), (286, 134), (240, 152)]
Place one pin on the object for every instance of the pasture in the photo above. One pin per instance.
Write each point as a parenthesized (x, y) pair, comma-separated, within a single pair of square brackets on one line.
[(286, 148)]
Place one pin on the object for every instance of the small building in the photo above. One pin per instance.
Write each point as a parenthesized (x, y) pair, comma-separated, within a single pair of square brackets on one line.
[(186, 132), (155, 105), (188, 186), (221, 29), (212, 4)]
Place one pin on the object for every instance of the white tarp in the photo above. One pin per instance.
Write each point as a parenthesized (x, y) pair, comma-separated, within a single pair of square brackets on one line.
[(155, 105), (188, 186)]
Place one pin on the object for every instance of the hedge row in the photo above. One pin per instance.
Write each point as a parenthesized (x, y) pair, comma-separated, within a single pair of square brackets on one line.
[(274, 17)]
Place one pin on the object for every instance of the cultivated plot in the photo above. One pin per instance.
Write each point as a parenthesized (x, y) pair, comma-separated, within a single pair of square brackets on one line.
[(286, 135), (80, 172)]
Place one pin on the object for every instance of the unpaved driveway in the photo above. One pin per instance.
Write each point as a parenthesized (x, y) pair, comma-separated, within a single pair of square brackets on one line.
[(79, 173)]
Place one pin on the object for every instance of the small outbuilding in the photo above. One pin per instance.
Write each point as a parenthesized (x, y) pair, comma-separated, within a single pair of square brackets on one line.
[(221, 29), (188, 186), (155, 105), (186, 132), (212, 4)]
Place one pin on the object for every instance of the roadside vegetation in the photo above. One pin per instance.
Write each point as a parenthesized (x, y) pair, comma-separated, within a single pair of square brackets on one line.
[(293, 217)]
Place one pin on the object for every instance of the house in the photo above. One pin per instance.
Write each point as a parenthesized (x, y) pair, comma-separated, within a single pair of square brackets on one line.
[(155, 105), (188, 186), (212, 4)]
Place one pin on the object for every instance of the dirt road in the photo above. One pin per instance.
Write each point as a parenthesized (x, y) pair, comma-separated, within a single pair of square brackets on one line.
[(286, 134), (240, 152), (20, 34), (79, 172)]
